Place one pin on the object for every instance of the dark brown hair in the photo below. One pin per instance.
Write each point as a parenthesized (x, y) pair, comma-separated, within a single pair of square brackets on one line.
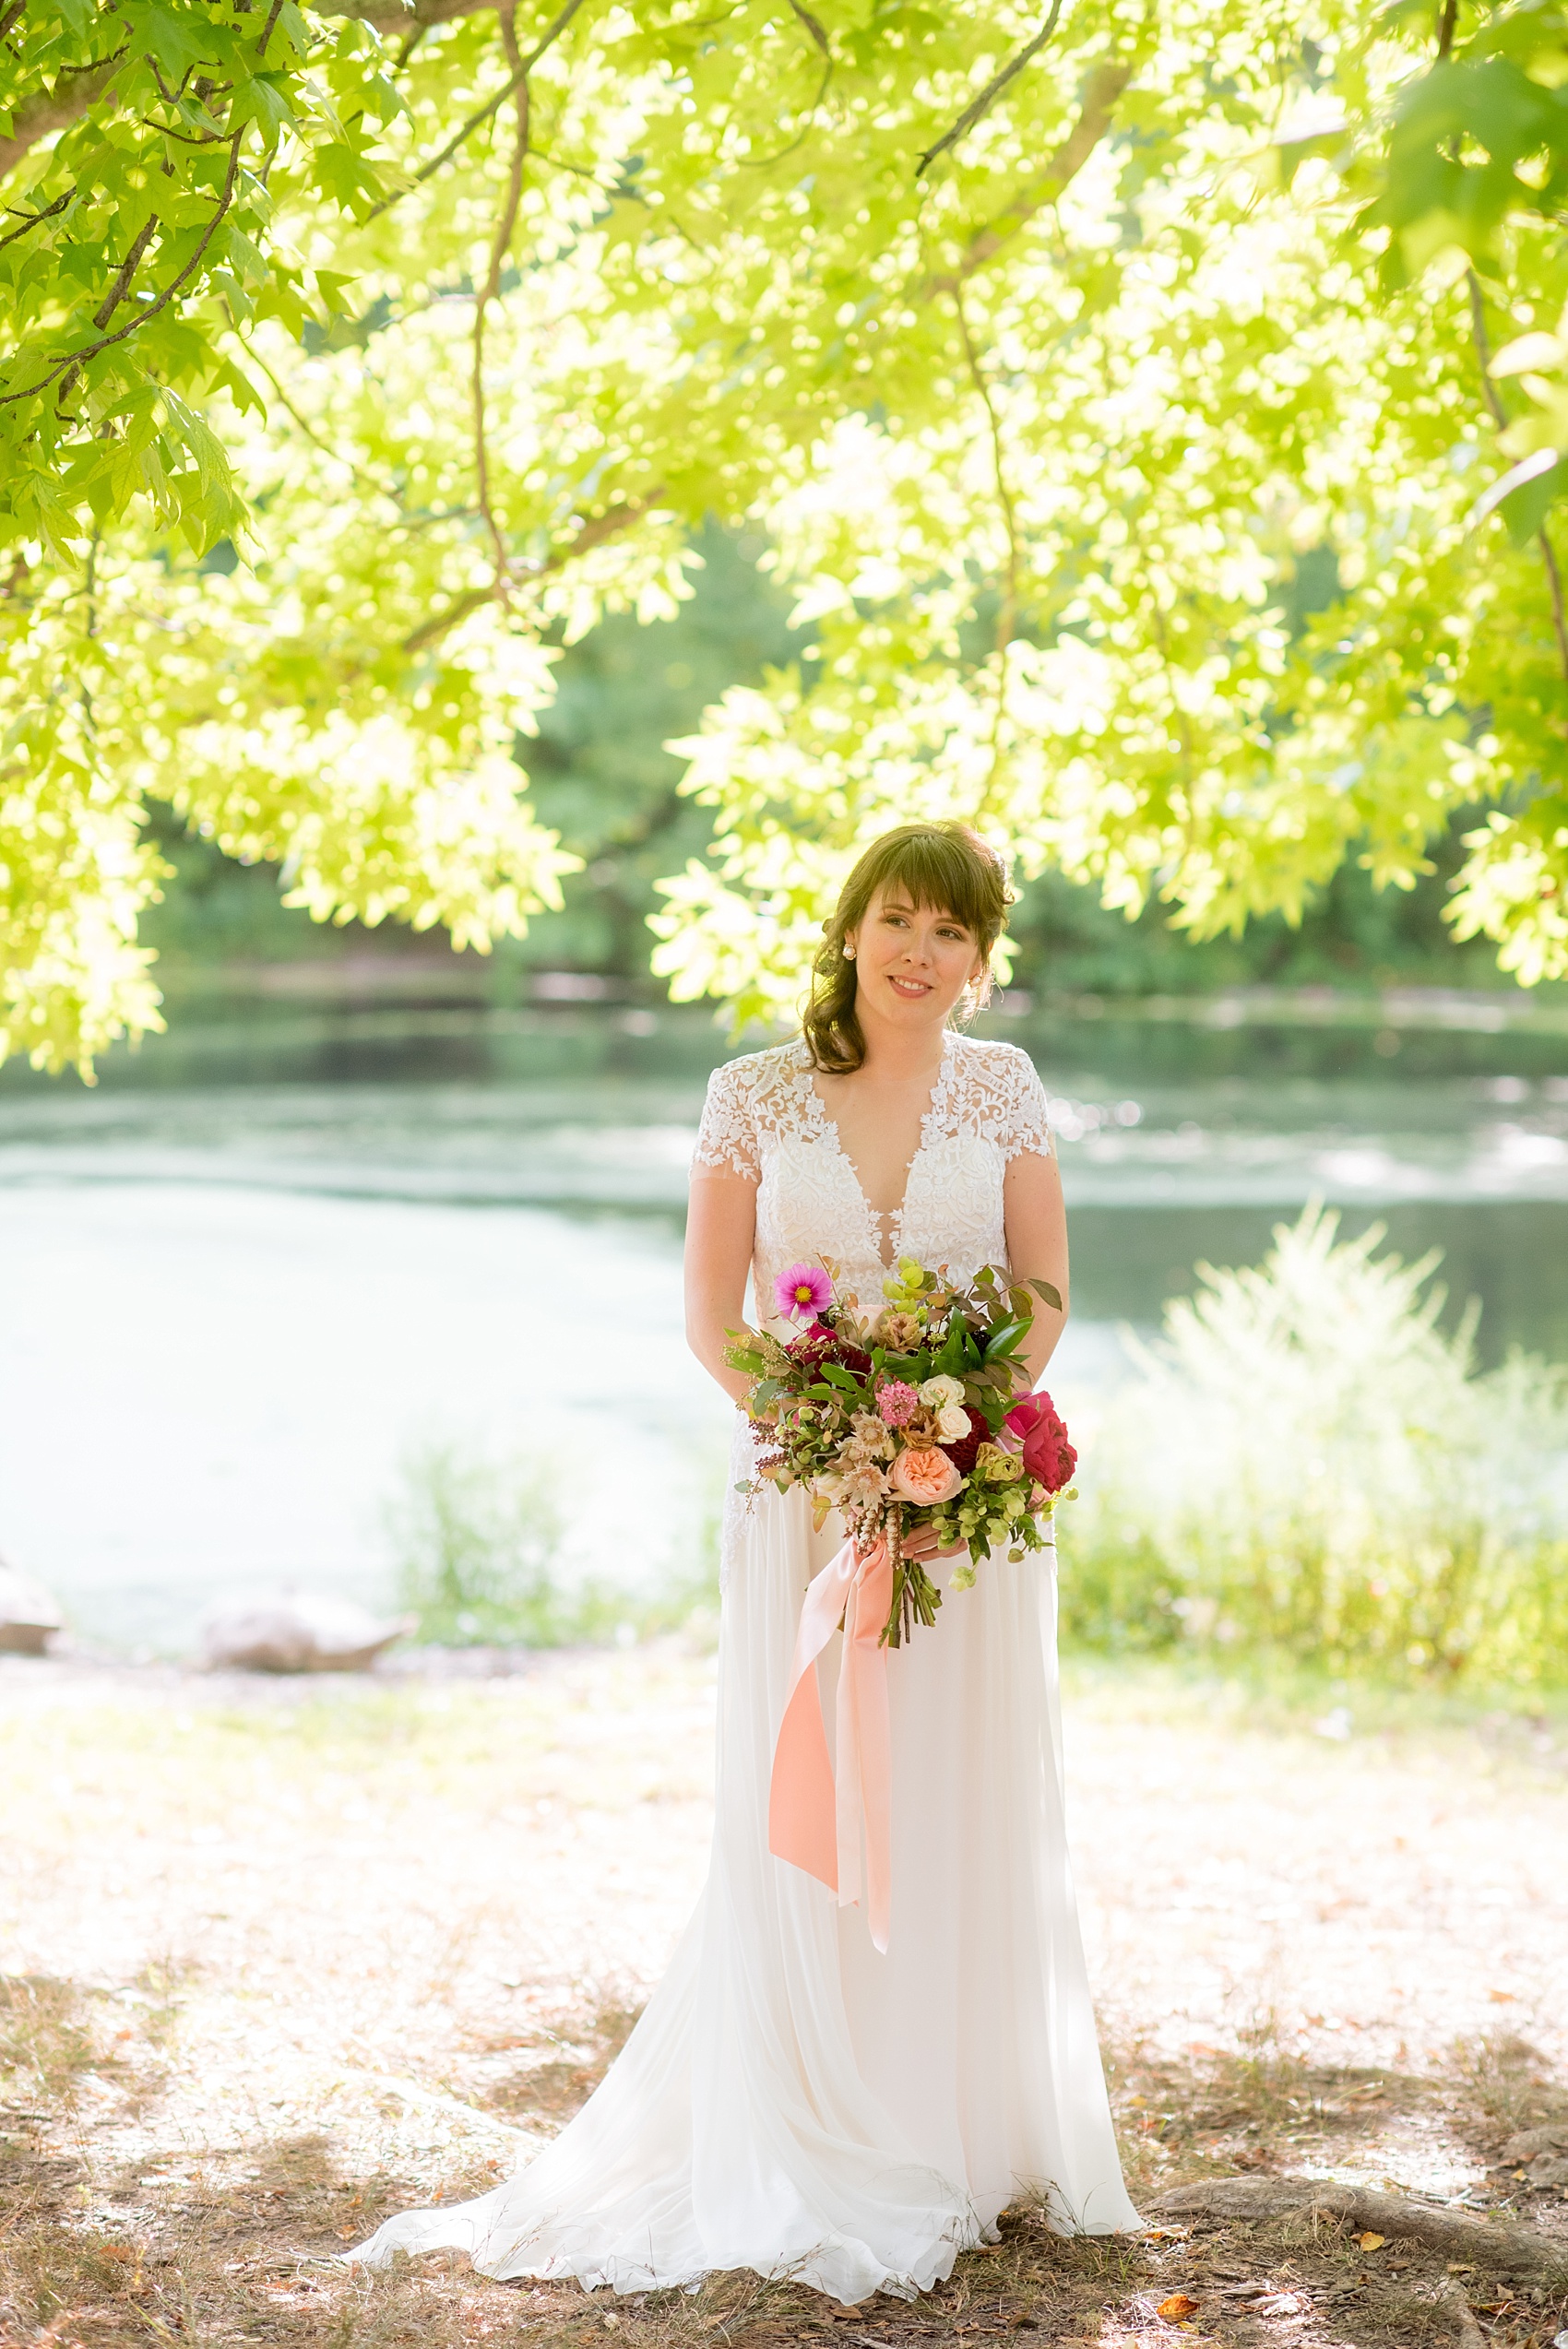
[(944, 866)]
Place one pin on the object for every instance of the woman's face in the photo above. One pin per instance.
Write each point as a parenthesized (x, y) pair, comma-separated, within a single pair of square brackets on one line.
[(911, 962)]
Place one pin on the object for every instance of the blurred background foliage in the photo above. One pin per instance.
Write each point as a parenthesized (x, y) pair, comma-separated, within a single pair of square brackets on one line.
[(1307, 1467)]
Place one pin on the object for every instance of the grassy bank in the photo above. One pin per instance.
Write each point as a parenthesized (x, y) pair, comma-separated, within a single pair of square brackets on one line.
[(1308, 1469)]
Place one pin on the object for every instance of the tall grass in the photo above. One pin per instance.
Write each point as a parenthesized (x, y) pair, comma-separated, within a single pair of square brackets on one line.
[(480, 1546), (1307, 1464)]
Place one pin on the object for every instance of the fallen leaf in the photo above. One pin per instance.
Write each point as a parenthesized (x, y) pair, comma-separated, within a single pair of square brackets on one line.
[(1372, 2242), (1178, 2309)]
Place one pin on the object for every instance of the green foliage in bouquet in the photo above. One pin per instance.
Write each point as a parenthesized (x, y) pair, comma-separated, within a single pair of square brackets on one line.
[(898, 1418)]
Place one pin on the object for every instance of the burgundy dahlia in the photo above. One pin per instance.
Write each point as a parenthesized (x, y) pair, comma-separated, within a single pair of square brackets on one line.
[(962, 1450), (819, 1343)]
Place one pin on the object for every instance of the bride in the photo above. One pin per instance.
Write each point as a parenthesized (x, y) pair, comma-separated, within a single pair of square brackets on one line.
[(792, 2100)]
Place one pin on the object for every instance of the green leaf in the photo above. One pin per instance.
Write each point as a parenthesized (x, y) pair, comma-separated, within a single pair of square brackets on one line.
[(178, 38), (1525, 509), (262, 99)]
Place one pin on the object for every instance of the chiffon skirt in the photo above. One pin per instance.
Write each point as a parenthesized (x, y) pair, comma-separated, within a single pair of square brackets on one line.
[(791, 2101)]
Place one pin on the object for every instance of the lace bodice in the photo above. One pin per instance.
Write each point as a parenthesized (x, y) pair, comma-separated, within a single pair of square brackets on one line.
[(765, 1119)]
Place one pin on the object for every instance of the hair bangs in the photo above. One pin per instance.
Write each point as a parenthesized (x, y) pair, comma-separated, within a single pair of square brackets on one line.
[(941, 875)]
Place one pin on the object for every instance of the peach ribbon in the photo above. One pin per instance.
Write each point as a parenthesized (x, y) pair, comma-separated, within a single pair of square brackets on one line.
[(813, 1820)]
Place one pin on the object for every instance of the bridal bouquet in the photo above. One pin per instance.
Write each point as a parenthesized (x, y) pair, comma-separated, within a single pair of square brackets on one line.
[(910, 1417)]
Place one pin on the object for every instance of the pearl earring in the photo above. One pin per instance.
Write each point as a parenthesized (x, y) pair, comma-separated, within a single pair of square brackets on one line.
[(848, 952)]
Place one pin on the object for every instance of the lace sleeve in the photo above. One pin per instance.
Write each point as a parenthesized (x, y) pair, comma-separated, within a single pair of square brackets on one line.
[(1028, 1123), (727, 1138)]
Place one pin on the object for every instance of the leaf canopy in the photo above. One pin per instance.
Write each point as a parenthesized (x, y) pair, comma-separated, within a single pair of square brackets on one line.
[(1047, 352)]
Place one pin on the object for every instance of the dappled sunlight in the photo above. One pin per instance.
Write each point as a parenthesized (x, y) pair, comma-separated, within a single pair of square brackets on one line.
[(279, 1961)]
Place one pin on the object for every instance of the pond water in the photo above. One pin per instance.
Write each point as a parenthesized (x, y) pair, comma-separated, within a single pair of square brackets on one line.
[(264, 1263)]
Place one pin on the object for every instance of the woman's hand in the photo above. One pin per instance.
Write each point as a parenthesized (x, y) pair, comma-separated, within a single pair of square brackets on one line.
[(920, 1543)]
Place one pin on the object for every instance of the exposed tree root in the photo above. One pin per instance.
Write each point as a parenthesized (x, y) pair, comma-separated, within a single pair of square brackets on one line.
[(1498, 2243)]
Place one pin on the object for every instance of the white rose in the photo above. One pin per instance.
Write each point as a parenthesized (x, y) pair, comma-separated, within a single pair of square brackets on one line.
[(943, 1393), (952, 1420)]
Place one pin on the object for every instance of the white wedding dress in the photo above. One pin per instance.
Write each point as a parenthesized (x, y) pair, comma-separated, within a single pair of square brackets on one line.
[(791, 2101)]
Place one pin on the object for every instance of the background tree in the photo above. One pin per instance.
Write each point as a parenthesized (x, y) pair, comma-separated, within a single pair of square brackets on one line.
[(360, 363)]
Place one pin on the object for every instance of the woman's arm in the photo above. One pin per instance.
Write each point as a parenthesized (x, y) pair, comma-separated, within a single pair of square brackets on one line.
[(1035, 1218), (720, 1236)]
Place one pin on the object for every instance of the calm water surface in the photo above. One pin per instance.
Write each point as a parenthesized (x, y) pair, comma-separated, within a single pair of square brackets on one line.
[(259, 1267)]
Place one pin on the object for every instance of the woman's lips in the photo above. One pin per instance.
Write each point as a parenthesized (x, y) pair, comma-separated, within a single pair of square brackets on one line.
[(910, 987)]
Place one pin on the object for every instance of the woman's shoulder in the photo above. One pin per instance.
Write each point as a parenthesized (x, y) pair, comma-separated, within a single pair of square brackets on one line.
[(751, 1100), (1000, 1096), (762, 1081), (987, 1058), (755, 1075)]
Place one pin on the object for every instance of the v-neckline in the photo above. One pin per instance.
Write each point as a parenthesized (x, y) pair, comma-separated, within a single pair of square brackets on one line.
[(875, 1216)]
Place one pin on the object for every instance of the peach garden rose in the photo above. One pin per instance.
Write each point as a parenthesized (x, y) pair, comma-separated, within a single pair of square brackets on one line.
[(924, 1477)]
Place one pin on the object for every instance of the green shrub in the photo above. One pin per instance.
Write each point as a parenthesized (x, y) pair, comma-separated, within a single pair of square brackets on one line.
[(1307, 1464), (477, 1543)]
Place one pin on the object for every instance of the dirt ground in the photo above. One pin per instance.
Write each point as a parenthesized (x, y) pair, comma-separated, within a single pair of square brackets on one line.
[(278, 1957)]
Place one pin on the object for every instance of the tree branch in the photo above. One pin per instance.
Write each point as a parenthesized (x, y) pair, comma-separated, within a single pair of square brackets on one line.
[(492, 106), (1102, 91), (1497, 2244), (1554, 585), (978, 108), (765, 162), (78, 90), (31, 219), (500, 246), (1500, 418), (608, 525), (126, 271), (1008, 616), (12, 17), (1445, 24), (364, 482), (70, 361)]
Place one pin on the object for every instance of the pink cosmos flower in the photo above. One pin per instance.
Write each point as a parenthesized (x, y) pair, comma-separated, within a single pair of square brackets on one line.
[(897, 1403), (802, 1292)]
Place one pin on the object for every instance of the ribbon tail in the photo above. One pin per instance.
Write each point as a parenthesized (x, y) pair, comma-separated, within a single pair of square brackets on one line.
[(865, 1747), (847, 1811), (802, 1800)]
